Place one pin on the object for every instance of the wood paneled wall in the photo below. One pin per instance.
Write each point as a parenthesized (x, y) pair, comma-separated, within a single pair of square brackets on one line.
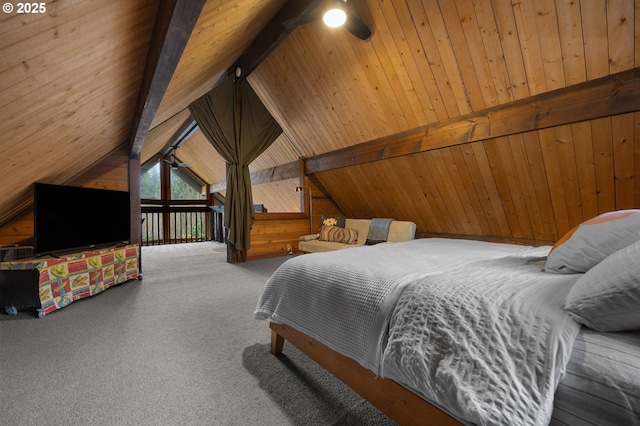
[(68, 82), (223, 31), (273, 233), (278, 196), (18, 231), (431, 61), (70, 79), (110, 173), (533, 186), (323, 204)]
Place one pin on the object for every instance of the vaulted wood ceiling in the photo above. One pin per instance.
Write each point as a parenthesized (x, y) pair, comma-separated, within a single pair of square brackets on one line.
[(69, 81)]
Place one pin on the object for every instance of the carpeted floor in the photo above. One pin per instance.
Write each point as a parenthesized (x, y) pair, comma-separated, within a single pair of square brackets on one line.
[(179, 347)]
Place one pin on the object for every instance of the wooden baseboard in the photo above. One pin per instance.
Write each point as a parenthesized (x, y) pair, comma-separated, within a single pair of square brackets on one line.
[(397, 402)]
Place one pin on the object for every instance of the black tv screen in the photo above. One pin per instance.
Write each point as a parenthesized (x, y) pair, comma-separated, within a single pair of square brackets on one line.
[(68, 218)]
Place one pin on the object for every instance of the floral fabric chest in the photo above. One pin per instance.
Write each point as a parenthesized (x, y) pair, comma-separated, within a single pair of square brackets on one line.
[(72, 277)]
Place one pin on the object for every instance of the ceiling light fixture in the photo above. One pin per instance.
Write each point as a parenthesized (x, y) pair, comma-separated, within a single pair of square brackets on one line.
[(335, 16)]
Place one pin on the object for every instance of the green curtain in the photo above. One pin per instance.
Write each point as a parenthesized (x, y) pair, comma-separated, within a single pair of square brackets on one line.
[(239, 141)]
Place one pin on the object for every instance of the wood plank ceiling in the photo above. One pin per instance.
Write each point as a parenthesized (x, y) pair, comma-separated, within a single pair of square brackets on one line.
[(69, 80), (68, 84), (430, 61)]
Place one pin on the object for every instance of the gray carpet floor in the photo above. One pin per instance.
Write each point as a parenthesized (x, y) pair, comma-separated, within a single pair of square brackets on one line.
[(179, 347)]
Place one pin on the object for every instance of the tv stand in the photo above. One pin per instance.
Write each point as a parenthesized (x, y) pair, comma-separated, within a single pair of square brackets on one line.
[(66, 278)]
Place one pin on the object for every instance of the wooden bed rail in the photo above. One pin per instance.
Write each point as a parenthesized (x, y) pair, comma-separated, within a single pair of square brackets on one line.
[(397, 402)]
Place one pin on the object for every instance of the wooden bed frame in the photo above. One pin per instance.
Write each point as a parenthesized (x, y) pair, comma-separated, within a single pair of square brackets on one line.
[(397, 402)]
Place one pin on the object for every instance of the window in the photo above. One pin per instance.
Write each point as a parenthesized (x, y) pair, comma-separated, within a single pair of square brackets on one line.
[(150, 181), (186, 186), (184, 215)]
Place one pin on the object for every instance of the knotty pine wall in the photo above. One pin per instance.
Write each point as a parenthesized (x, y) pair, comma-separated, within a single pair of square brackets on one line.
[(531, 187), (323, 203), (432, 61), (528, 188), (110, 173), (272, 233)]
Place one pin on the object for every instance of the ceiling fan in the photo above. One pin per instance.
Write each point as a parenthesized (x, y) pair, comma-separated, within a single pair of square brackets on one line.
[(175, 164), (336, 13)]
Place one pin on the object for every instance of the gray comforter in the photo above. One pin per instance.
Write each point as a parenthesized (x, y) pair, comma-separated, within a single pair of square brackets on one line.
[(374, 305), (488, 343)]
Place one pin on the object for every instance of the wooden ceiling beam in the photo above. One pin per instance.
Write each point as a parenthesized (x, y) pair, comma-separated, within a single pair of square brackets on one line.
[(174, 24), (266, 42), (179, 136), (604, 97), (272, 36), (273, 174), (612, 95)]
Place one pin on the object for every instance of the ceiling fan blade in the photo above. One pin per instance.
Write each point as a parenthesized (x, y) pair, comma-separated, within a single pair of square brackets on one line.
[(358, 28)]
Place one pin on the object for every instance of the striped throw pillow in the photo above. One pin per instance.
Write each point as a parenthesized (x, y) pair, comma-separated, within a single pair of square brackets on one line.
[(338, 235)]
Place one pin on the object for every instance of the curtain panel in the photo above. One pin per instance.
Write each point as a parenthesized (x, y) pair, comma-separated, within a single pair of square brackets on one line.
[(240, 128)]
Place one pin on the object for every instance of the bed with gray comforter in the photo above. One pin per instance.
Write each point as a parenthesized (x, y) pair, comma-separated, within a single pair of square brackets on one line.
[(475, 328)]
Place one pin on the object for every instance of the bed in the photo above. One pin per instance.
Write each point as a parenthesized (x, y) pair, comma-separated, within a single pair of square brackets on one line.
[(440, 331)]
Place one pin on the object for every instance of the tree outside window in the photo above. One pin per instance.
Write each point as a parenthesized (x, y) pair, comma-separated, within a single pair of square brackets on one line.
[(173, 219), (186, 186), (150, 181)]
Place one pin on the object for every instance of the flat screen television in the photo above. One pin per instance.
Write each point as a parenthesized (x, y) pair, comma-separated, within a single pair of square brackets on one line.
[(68, 218)]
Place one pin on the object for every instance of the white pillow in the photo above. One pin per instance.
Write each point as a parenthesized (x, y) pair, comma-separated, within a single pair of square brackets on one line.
[(607, 297), (589, 243)]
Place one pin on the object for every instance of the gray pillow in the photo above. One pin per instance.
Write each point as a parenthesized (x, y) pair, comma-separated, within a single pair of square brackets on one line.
[(593, 240), (607, 296)]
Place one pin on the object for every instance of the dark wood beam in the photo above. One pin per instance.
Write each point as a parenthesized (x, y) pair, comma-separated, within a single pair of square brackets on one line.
[(272, 174), (273, 34), (175, 21), (188, 122), (136, 203), (604, 97)]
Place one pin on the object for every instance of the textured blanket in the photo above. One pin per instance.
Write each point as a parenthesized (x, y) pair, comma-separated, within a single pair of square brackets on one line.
[(342, 300), (345, 298), (488, 343)]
